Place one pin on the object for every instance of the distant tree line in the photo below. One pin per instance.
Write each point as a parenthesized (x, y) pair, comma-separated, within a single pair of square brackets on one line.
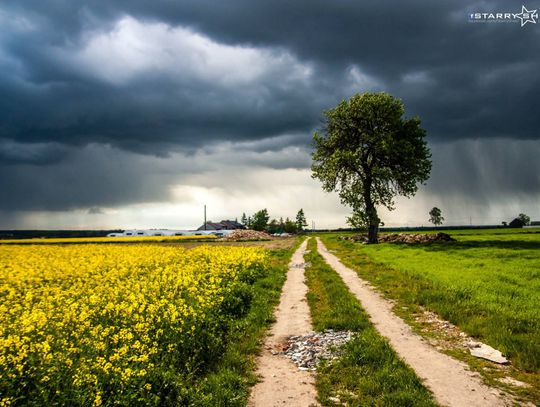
[(260, 221), (29, 234), (435, 217)]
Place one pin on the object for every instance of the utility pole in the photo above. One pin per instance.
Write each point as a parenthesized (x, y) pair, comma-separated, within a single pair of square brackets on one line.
[(204, 217), (313, 225)]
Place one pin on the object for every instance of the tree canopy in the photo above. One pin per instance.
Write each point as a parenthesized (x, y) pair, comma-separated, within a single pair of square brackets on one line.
[(301, 222), (524, 218), (435, 216), (369, 153), (260, 220)]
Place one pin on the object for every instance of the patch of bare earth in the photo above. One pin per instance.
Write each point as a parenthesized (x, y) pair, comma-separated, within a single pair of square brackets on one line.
[(282, 383), (450, 380)]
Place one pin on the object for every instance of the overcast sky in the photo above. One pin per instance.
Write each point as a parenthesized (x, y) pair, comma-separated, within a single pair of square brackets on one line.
[(136, 113)]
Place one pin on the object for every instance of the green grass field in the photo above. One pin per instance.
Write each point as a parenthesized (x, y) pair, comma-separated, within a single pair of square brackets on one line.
[(487, 283)]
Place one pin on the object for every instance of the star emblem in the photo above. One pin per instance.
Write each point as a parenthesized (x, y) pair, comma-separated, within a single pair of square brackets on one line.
[(527, 16)]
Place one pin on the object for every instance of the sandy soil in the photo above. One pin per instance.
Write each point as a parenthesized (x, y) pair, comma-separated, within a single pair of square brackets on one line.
[(282, 384), (450, 380)]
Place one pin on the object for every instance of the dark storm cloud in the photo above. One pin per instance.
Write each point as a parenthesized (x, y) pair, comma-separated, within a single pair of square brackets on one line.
[(37, 153), (486, 170), (98, 176), (93, 176), (50, 97), (463, 79), (255, 75)]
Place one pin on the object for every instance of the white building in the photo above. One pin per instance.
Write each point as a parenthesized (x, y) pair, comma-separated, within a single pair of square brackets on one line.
[(168, 232)]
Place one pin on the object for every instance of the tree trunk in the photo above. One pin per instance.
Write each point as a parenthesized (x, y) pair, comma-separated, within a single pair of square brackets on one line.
[(371, 212), (373, 231), (373, 227)]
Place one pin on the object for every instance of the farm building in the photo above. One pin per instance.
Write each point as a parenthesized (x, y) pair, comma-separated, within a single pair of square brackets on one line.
[(223, 225), (516, 223)]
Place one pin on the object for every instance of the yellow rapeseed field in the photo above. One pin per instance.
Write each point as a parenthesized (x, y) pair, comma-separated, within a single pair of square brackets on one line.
[(114, 324), (131, 239)]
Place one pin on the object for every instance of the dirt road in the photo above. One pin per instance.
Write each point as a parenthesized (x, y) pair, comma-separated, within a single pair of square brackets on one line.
[(450, 380), (282, 384)]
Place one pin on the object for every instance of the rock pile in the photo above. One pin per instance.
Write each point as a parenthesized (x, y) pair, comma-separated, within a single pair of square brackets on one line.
[(308, 350), (248, 234), (417, 238), (363, 238), (410, 238)]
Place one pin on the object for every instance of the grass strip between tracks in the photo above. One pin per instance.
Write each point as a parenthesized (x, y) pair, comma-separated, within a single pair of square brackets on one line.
[(369, 372)]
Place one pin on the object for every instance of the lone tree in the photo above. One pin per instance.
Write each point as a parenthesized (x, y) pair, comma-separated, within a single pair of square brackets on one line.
[(301, 222), (435, 216), (369, 154)]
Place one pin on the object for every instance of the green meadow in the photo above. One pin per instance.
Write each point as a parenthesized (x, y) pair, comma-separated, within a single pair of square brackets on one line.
[(487, 283)]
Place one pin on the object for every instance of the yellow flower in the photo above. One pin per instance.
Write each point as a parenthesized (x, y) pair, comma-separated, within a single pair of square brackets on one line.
[(108, 314), (6, 401), (97, 401)]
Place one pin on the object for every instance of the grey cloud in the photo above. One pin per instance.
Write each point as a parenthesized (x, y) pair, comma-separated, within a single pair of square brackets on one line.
[(485, 77), (486, 170), (51, 99), (12, 152), (95, 210), (94, 176), (85, 127), (482, 79), (100, 176)]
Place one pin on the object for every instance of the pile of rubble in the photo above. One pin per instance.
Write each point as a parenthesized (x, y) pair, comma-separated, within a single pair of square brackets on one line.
[(410, 238), (248, 234), (355, 238), (449, 336), (307, 351)]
